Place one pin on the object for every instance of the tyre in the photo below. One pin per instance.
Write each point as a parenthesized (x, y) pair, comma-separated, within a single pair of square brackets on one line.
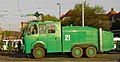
[(77, 52), (90, 51), (38, 52)]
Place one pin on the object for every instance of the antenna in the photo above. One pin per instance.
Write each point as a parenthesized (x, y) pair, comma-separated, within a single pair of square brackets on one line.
[(19, 8)]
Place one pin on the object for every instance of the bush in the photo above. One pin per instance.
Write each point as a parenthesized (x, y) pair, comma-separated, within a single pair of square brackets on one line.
[(1, 44)]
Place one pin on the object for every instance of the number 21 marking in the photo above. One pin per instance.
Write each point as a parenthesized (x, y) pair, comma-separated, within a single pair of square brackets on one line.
[(67, 37)]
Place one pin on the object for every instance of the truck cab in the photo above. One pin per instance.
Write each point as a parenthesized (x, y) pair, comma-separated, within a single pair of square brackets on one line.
[(46, 35)]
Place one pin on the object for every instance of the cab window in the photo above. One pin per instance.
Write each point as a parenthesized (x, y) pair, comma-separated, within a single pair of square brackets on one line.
[(33, 29), (42, 29), (51, 28)]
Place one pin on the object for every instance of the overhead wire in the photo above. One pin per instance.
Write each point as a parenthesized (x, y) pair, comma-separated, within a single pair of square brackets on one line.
[(38, 7), (9, 12), (9, 26), (19, 8), (9, 18), (42, 8), (22, 10)]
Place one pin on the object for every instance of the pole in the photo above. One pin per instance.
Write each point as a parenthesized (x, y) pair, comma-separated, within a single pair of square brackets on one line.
[(83, 13), (59, 9), (101, 42)]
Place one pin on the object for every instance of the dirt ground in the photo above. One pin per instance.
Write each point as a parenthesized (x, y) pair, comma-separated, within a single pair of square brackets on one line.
[(58, 57)]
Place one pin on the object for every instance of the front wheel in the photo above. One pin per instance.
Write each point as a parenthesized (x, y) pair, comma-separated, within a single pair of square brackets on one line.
[(77, 52), (91, 51), (38, 52)]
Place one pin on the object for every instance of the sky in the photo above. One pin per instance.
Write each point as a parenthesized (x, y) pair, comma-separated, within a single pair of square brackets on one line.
[(11, 10)]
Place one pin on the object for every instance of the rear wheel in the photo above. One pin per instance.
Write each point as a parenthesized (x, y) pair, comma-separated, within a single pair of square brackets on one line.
[(90, 51), (38, 52), (77, 52)]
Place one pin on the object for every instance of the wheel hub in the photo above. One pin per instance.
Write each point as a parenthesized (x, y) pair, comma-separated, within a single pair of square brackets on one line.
[(77, 52), (39, 52)]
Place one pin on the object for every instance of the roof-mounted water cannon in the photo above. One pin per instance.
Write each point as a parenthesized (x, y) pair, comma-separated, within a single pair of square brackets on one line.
[(38, 16)]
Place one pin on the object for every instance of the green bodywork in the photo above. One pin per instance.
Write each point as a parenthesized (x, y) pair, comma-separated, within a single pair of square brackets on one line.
[(51, 42), (79, 36), (65, 38), (108, 43)]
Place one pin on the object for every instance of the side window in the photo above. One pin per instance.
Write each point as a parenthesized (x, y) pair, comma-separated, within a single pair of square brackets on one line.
[(33, 29), (42, 29), (51, 28)]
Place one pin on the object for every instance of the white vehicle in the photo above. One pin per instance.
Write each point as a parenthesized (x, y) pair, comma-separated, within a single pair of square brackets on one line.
[(116, 40), (12, 42)]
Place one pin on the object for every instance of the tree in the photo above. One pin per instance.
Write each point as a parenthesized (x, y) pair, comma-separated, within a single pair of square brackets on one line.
[(49, 18), (94, 16), (1, 45), (7, 33)]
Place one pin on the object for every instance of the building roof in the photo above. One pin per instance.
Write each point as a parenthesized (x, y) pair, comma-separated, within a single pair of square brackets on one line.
[(68, 14), (119, 13), (112, 12)]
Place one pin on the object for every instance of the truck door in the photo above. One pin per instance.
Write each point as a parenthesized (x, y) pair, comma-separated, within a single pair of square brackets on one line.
[(53, 38)]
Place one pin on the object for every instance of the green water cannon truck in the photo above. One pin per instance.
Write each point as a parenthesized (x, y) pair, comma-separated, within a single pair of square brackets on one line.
[(41, 37)]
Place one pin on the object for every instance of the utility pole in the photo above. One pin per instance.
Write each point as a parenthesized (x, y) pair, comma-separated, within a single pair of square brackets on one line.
[(83, 13), (59, 9)]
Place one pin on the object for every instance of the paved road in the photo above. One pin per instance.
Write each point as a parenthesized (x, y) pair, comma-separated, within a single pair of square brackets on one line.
[(59, 58)]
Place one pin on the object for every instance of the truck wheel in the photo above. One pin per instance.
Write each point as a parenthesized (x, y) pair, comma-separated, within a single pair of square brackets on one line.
[(38, 52), (90, 51), (77, 52)]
